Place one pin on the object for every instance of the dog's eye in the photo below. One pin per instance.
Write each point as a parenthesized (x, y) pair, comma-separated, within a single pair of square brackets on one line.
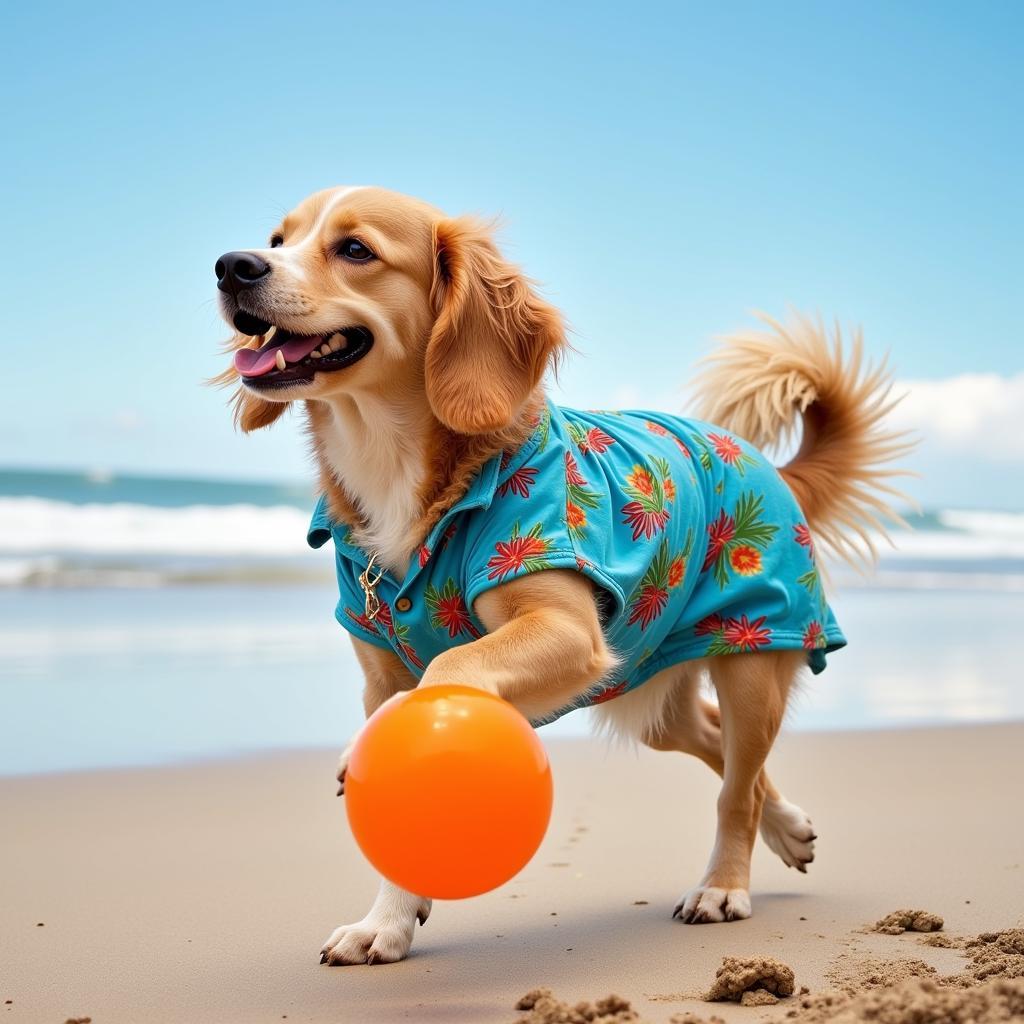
[(353, 249), (275, 241)]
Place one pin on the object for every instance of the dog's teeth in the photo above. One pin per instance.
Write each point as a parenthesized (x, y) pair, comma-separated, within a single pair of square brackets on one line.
[(325, 349), (337, 342), (316, 354), (279, 359)]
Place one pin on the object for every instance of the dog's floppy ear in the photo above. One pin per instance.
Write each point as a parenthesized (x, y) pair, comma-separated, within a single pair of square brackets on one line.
[(493, 337), (250, 411)]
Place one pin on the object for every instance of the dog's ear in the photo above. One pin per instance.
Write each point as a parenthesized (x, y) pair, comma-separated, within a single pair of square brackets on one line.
[(493, 337), (250, 411)]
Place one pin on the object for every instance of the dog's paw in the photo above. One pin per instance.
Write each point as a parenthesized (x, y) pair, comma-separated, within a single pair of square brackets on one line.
[(707, 904), (377, 939), (788, 832)]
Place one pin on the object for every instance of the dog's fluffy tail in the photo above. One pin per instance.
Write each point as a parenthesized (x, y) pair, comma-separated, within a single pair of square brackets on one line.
[(760, 384)]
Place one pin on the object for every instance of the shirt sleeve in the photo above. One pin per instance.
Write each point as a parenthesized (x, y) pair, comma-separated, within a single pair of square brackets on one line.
[(532, 525)]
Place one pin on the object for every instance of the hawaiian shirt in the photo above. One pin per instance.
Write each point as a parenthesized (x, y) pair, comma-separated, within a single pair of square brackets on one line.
[(695, 545)]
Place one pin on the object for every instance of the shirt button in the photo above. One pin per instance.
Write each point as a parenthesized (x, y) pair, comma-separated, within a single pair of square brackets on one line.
[(403, 604)]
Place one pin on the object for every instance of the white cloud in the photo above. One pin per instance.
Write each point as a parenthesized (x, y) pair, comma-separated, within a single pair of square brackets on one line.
[(978, 413)]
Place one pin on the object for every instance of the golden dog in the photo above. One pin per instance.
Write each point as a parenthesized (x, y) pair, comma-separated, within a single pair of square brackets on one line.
[(418, 353)]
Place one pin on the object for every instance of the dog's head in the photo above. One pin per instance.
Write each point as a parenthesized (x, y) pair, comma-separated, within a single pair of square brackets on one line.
[(365, 290)]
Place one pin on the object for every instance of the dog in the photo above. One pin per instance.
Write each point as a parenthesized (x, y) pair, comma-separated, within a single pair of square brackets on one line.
[(554, 557)]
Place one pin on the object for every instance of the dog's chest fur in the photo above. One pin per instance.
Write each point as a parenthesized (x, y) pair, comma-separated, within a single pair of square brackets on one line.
[(379, 460)]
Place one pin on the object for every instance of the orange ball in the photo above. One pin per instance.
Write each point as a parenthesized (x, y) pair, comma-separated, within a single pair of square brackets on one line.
[(448, 791)]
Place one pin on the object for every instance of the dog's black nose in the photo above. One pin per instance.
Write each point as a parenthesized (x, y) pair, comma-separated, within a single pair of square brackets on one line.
[(238, 270)]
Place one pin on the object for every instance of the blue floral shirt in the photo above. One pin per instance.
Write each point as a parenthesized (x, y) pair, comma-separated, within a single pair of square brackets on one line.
[(694, 542)]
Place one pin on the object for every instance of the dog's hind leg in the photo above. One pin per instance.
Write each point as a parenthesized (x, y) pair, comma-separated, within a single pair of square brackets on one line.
[(691, 725), (752, 692)]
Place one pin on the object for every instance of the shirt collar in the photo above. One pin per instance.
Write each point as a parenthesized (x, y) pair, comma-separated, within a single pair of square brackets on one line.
[(480, 493)]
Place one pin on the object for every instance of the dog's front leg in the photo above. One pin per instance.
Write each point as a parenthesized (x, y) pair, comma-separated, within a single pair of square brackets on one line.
[(384, 935), (543, 649)]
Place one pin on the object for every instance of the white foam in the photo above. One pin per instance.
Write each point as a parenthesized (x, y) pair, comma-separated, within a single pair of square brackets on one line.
[(45, 527)]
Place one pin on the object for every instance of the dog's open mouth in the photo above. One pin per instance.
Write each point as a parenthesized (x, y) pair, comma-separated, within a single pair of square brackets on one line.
[(287, 358)]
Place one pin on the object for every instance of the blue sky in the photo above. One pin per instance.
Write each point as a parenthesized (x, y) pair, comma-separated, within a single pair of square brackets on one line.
[(663, 170)]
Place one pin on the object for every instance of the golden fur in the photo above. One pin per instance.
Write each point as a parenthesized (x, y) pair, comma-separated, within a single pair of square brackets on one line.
[(462, 343)]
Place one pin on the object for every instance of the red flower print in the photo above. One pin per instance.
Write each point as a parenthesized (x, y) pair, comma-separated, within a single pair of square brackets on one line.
[(726, 448), (670, 489), (362, 620), (589, 439), (745, 560), (409, 652), (682, 446), (519, 482), (424, 555), (650, 597), (656, 428), (644, 523), (648, 606), (814, 635), (572, 472), (802, 535), (520, 551), (647, 513), (448, 610), (735, 542), (611, 692), (676, 571), (709, 625), (597, 441), (720, 533), (747, 636), (384, 624), (385, 618), (582, 564)]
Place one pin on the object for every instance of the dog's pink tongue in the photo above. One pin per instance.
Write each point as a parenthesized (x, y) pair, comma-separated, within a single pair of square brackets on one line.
[(251, 362)]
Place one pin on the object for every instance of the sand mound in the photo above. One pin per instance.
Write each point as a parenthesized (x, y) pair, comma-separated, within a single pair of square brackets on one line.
[(544, 1008), (900, 921), (740, 980), (917, 1002), (996, 954), (989, 990)]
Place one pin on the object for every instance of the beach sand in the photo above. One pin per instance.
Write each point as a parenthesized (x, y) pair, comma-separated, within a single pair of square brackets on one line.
[(202, 893)]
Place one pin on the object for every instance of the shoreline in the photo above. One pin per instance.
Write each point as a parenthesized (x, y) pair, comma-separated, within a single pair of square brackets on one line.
[(579, 734)]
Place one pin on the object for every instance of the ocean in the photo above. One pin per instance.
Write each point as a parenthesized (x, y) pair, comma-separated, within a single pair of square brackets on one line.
[(146, 620)]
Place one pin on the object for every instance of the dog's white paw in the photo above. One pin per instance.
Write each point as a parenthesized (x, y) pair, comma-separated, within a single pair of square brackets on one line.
[(377, 939), (707, 904), (788, 832)]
